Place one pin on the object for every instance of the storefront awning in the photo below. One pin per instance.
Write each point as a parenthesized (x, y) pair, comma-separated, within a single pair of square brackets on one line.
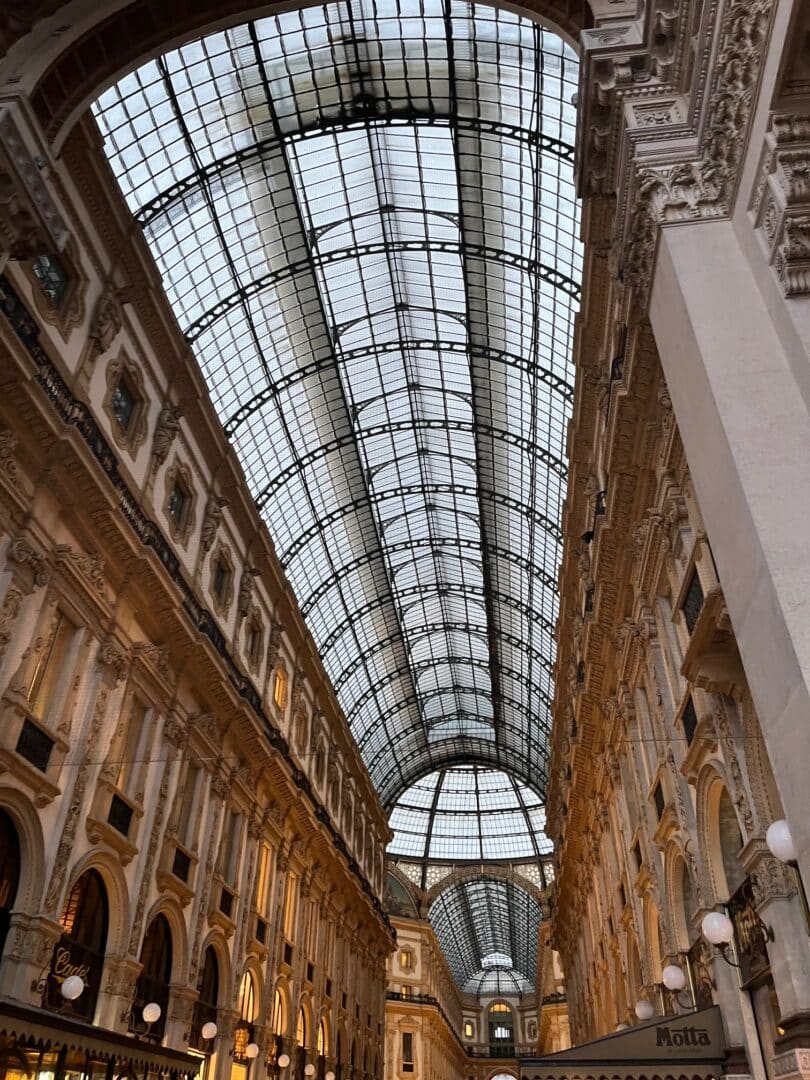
[(687, 1046), (24, 1029)]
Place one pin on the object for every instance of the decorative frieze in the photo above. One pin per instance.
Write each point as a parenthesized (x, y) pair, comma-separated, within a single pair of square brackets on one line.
[(781, 201)]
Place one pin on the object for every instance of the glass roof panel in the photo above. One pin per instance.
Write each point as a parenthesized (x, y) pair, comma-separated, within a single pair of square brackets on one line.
[(363, 214), (469, 813)]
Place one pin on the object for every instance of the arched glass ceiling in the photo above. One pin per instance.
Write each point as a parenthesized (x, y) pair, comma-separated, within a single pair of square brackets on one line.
[(364, 219), (476, 919), (497, 982), (468, 813)]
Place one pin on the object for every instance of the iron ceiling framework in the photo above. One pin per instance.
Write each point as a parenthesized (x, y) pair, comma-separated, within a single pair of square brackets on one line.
[(484, 927), (364, 218), (469, 814)]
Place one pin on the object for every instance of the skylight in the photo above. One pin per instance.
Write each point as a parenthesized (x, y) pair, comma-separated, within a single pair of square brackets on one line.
[(364, 219)]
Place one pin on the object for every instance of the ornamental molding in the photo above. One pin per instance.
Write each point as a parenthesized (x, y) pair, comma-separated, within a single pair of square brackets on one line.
[(780, 205), (30, 223), (665, 120)]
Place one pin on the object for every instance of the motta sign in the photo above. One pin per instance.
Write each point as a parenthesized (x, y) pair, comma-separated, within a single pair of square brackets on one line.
[(693, 1040), (686, 1037)]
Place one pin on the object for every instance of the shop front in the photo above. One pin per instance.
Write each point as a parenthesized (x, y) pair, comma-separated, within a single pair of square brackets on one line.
[(689, 1046), (36, 1044)]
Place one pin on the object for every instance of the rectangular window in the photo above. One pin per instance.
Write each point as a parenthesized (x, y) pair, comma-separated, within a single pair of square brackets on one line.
[(52, 278), (469, 1030), (178, 501), (226, 902), (289, 907), (230, 847), (280, 688), (263, 880), (181, 865), (47, 678), (120, 815), (122, 403), (407, 1051), (132, 748), (692, 602), (658, 799), (187, 826), (221, 576), (406, 959), (689, 720), (35, 746), (253, 642)]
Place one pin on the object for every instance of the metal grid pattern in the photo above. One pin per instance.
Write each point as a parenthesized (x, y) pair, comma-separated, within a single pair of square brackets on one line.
[(486, 925), (364, 218), (468, 813)]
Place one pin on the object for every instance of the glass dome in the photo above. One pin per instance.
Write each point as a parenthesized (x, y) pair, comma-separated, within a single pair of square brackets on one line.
[(498, 982), (468, 813)]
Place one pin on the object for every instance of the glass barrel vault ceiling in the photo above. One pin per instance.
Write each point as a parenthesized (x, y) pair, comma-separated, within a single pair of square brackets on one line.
[(469, 813), (364, 218)]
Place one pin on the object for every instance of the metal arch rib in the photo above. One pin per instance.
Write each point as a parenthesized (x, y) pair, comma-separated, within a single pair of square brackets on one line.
[(492, 355), (246, 292), (249, 154)]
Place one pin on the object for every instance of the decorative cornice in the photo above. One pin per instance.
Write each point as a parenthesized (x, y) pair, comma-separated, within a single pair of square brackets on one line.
[(77, 415)]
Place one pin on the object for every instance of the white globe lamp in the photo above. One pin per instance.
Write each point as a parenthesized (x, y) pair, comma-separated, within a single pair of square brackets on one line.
[(252, 1050), (283, 1061), (645, 1010), (717, 928), (621, 1027), (209, 1030), (72, 987), (780, 842), (309, 1070), (329, 1076), (673, 977), (151, 1012)]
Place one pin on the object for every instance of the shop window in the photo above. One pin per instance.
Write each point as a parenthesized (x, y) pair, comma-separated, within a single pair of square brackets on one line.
[(47, 681), (205, 1007), (153, 981), (52, 278), (80, 949), (9, 873)]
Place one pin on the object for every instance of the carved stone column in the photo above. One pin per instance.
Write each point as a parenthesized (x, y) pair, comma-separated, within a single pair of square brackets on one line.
[(27, 956), (117, 992)]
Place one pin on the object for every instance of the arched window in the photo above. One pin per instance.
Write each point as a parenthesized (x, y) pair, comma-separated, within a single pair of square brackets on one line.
[(730, 843), (685, 905), (205, 1008), (501, 1030), (246, 1004), (156, 973), (322, 1047), (80, 950), (9, 873), (302, 1038)]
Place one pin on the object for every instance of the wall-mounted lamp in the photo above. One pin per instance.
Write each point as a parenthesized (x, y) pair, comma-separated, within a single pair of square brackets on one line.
[(329, 1076), (150, 1014), (309, 1070), (718, 929), (644, 1010), (252, 1050), (283, 1061), (70, 988)]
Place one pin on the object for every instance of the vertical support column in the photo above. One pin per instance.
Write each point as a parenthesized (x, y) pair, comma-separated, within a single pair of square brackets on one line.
[(746, 431)]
